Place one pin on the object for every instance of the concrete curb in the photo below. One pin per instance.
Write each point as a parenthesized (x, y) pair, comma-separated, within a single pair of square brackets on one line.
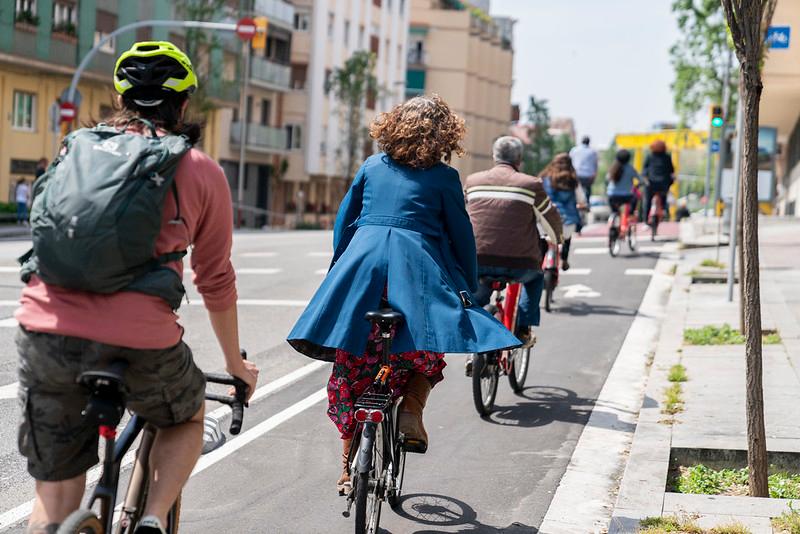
[(585, 495)]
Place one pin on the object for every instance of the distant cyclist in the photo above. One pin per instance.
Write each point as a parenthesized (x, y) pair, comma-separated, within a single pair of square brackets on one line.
[(563, 188), (621, 180), (505, 206), (584, 159), (185, 199), (658, 174)]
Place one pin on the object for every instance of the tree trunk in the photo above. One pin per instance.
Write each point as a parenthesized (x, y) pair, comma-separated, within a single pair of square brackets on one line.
[(756, 434), (740, 252)]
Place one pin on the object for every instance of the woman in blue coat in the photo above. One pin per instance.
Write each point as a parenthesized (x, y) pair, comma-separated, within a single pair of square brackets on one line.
[(561, 184), (401, 232)]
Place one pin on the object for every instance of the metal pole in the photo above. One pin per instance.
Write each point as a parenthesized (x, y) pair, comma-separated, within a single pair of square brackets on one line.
[(132, 26), (709, 157), (737, 178), (243, 118), (723, 146)]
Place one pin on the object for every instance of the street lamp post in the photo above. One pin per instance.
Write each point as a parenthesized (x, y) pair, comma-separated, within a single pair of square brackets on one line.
[(243, 118)]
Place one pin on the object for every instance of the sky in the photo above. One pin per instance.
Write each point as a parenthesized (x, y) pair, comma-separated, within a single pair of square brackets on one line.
[(605, 63)]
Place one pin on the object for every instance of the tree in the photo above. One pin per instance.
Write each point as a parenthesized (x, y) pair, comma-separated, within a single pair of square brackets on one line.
[(541, 149), (699, 57), (748, 21), (352, 84)]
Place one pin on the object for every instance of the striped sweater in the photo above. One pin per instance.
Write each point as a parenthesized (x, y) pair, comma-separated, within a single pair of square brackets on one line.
[(505, 206)]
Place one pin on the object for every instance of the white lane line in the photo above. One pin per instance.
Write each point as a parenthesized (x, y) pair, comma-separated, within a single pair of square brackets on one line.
[(9, 269), (18, 513), (10, 322), (639, 272), (14, 303), (591, 250), (576, 271), (258, 254), (9, 391), (249, 270), (321, 271), (259, 430), (320, 254)]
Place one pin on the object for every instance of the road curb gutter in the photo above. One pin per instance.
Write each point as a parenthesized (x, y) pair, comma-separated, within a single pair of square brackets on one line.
[(585, 497)]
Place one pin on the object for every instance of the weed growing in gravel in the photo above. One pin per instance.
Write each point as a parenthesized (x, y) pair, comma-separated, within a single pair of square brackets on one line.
[(704, 480), (724, 335), (659, 525), (712, 263), (788, 522), (673, 400), (677, 373)]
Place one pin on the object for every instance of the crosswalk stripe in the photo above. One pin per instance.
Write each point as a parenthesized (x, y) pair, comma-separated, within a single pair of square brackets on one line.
[(639, 272)]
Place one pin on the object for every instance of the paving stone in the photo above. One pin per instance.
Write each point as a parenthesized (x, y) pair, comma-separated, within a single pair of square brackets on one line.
[(726, 505)]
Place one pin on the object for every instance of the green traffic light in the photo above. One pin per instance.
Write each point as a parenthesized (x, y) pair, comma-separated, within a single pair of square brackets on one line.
[(716, 122)]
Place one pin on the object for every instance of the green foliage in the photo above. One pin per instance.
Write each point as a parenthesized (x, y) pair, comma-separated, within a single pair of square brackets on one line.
[(699, 57), (723, 335), (677, 373), (661, 525), (673, 399), (788, 522), (351, 85), (699, 479), (542, 147), (712, 263), (27, 17), (604, 161), (8, 207)]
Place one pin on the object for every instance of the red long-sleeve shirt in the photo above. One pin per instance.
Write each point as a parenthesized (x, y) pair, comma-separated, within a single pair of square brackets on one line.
[(136, 320)]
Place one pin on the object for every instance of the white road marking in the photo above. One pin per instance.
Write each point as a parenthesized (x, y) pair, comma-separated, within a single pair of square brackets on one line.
[(9, 269), (258, 254), (321, 271), (591, 250), (9, 391), (320, 254), (20, 512), (249, 270), (578, 291), (10, 322), (14, 303), (259, 430), (576, 271), (640, 272)]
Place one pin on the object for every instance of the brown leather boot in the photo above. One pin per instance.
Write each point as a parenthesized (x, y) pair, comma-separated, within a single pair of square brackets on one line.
[(410, 420), (344, 485)]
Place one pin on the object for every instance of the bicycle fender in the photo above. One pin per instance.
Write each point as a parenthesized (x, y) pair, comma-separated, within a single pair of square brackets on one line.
[(364, 462)]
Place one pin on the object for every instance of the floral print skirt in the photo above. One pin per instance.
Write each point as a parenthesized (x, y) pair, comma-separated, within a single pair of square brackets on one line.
[(352, 375)]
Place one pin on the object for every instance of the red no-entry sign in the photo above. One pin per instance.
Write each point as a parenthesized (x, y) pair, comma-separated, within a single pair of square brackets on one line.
[(67, 112), (246, 28)]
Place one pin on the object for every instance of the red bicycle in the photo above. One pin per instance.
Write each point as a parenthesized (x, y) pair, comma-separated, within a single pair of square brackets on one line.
[(656, 214), (622, 227), (488, 366)]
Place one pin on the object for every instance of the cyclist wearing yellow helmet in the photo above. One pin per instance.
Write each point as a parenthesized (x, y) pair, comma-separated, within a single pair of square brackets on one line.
[(65, 331)]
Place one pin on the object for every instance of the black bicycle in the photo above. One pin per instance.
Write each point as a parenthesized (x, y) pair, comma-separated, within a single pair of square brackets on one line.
[(377, 459), (104, 410)]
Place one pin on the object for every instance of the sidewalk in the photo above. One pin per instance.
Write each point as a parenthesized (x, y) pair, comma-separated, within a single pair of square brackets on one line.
[(711, 429)]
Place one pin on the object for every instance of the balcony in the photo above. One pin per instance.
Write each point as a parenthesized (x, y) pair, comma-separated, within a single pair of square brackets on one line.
[(277, 11), (417, 57), (261, 138), (270, 74)]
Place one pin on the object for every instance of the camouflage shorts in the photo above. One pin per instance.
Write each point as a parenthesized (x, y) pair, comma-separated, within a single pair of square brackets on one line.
[(164, 386)]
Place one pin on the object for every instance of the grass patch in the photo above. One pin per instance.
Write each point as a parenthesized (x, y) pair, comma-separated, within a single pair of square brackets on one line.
[(788, 522), (677, 373), (673, 399), (659, 525), (712, 263), (724, 335), (673, 269), (699, 479)]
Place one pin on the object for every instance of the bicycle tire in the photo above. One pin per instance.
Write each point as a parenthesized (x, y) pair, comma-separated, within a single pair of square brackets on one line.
[(484, 376), (520, 361), (654, 229), (81, 522), (613, 245), (395, 490), (632, 239), (368, 501), (549, 286)]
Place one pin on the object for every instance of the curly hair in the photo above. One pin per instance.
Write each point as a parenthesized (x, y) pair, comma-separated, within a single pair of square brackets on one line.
[(419, 133), (561, 173)]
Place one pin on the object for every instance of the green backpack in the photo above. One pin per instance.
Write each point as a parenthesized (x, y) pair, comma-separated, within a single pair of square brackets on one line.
[(97, 213)]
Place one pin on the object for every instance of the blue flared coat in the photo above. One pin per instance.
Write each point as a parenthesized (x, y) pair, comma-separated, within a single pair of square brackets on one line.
[(406, 230)]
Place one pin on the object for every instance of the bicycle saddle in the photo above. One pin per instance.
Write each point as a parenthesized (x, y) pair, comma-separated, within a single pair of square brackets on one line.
[(107, 401), (384, 316)]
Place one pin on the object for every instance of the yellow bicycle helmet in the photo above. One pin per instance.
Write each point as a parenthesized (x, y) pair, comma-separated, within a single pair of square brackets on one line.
[(152, 69)]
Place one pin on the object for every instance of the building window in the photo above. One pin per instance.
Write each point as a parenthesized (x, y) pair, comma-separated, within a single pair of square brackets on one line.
[(23, 116), (26, 12), (361, 43), (266, 108), (323, 145), (299, 74), (330, 25), (302, 21), (294, 136), (374, 44), (65, 18), (249, 109), (327, 81), (376, 3), (109, 46), (346, 31)]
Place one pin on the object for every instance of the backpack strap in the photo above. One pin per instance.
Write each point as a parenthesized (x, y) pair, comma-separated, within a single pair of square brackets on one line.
[(169, 257), (178, 219)]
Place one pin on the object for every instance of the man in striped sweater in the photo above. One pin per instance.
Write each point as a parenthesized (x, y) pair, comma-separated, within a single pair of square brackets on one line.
[(505, 206)]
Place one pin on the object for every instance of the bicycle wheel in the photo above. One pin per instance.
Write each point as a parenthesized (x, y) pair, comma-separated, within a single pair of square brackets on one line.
[(484, 382), (81, 522), (632, 239), (520, 360), (613, 241), (368, 485), (396, 472), (129, 524), (549, 287)]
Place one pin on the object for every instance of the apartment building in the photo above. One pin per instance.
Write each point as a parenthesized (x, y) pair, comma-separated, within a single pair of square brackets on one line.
[(326, 34), (780, 107), (458, 51)]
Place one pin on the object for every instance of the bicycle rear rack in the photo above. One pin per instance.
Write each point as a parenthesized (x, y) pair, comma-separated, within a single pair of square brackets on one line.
[(374, 401)]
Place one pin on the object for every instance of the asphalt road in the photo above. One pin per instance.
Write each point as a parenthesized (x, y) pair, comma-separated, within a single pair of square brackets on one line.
[(493, 475)]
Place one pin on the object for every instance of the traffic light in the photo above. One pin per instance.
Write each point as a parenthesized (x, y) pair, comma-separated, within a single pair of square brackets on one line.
[(717, 119), (259, 41)]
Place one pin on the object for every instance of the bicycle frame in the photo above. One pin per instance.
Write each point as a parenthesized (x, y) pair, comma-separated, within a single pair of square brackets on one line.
[(506, 313)]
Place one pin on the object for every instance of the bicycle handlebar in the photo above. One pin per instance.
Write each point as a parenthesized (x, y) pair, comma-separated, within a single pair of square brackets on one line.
[(237, 402)]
